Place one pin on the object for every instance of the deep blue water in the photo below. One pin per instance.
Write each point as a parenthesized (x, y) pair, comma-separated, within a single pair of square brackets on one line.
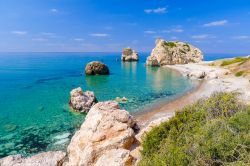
[(34, 94)]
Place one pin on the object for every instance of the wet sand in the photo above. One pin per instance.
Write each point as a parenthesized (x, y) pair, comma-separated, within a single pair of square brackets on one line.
[(169, 108)]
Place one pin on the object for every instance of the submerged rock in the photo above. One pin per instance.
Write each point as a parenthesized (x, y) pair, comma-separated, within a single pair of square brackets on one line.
[(170, 53), (104, 138), (10, 127), (96, 68), (121, 100), (41, 159), (129, 54), (81, 102), (41, 108)]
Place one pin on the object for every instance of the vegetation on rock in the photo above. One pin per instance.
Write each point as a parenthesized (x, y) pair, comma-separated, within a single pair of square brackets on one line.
[(213, 131), (240, 60), (127, 51), (169, 44), (239, 73)]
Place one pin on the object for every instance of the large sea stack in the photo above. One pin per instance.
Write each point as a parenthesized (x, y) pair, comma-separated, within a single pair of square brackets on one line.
[(173, 52), (129, 54), (96, 68)]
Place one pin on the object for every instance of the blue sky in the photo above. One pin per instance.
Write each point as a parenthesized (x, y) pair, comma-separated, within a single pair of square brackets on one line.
[(215, 26)]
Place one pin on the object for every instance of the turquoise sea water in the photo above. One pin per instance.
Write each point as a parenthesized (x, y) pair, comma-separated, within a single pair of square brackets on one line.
[(34, 95)]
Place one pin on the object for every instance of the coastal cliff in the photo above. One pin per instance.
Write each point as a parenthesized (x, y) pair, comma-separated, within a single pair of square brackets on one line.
[(173, 52)]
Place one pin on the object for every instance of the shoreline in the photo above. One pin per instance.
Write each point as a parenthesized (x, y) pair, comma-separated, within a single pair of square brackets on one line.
[(213, 79), (168, 108), (216, 79)]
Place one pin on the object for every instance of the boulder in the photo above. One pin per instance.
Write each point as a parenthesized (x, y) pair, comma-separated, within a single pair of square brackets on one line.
[(129, 54), (197, 75), (81, 101), (173, 52), (41, 159), (96, 68), (115, 157), (105, 137)]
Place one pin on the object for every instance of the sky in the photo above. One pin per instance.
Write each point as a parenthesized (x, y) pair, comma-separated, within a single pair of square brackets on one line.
[(214, 26)]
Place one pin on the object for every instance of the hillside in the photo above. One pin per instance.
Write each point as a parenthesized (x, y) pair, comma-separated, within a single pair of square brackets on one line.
[(212, 131), (239, 66)]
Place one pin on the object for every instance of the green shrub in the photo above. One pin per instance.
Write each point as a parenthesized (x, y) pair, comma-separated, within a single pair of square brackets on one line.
[(239, 73), (169, 44), (235, 60), (213, 131)]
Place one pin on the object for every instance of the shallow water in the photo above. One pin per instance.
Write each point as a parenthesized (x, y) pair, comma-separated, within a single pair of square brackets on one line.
[(34, 94)]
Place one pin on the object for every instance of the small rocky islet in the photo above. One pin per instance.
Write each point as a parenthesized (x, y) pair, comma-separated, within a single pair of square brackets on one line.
[(96, 68), (129, 55), (108, 132)]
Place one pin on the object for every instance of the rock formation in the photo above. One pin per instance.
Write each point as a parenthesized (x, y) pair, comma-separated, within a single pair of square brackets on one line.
[(96, 68), (81, 102), (129, 54), (41, 159), (170, 53), (104, 138)]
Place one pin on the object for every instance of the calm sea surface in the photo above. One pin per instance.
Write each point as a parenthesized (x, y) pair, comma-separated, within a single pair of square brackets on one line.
[(34, 94)]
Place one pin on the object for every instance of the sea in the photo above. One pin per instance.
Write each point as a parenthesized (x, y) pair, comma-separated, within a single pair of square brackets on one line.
[(35, 87)]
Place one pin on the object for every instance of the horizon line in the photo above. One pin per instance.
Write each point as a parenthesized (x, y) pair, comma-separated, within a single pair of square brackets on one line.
[(106, 52)]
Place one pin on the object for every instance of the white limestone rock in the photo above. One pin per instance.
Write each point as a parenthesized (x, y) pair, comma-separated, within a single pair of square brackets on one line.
[(41, 159), (115, 157), (129, 54), (82, 102), (105, 130), (174, 52)]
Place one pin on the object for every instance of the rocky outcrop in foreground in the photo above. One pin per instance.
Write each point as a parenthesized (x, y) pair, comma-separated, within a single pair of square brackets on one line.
[(170, 53), (104, 138), (82, 101), (41, 159), (129, 54), (96, 68)]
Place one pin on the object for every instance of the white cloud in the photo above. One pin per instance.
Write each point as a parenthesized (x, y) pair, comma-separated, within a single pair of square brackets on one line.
[(202, 36), (99, 34), (157, 10), (78, 39), (49, 34), (242, 37), (54, 10), (174, 38), (19, 33), (157, 37), (177, 30), (149, 32), (216, 23)]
